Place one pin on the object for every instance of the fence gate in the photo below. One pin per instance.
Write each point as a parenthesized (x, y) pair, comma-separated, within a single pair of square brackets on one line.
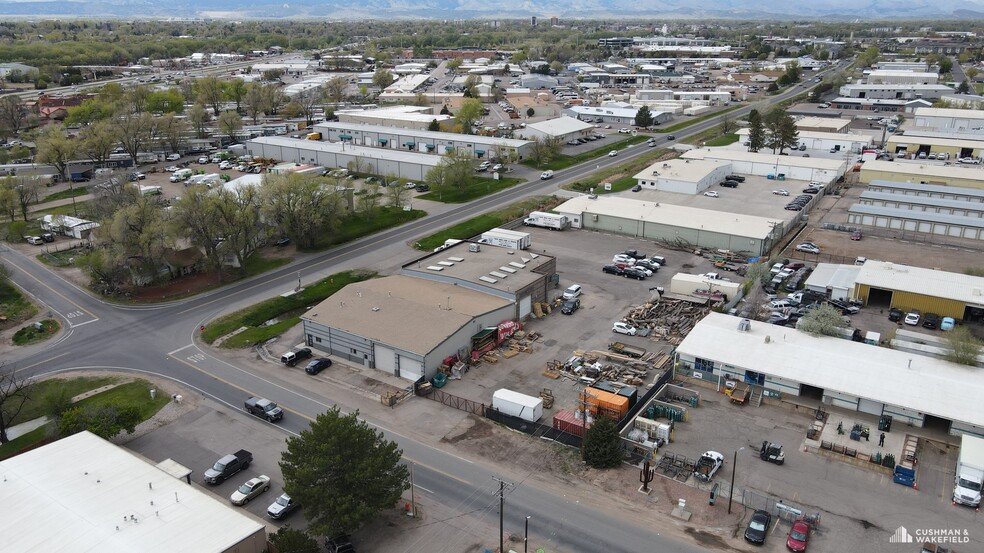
[(458, 403)]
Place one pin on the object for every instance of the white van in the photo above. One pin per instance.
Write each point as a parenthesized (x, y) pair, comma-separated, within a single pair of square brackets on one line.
[(573, 291), (546, 175), (180, 175)]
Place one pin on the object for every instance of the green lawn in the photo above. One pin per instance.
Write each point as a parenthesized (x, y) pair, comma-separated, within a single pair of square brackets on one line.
[(70, 193), (620, 184), (477, 225), (30, 335), (14, 306), (276, 308), (476, 189), (257, 264), (136, 393), (357, 225), (21, 442), (695, 120), (723, 140), (63, 258), (564, 161), (71, 387)]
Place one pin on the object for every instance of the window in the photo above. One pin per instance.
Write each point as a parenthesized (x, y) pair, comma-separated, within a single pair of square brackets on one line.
[(704, 365), (355, 351)]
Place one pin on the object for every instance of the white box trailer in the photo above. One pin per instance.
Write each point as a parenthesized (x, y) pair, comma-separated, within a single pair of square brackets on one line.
[(686, 284), (506, 238), (526, 407), (969, 478), (552, 221)]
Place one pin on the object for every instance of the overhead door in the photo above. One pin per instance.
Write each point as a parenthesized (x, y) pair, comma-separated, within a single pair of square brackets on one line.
[(525, 306), (410, 369), (870, 407), (384, 357)]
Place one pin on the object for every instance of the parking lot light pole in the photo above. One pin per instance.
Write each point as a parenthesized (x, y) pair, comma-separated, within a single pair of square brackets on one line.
[(526, 536), (734, 470)]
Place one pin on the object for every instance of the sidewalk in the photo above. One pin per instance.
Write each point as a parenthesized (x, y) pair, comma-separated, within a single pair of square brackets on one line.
[(34, 208)]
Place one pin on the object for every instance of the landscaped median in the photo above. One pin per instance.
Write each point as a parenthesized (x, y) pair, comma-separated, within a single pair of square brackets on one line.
[(269, 318), (565, 161), (477, 225), (477, 188), (620, 177)]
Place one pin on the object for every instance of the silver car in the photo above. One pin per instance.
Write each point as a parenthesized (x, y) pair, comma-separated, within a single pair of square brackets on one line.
[(250, 489)]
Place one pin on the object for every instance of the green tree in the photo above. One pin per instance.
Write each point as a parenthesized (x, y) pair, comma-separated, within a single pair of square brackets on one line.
[(198, 117), (335, 89), (530, 112), (271, 75), (134, 131), (945, 64), (104, 421), (454, 170), (343, 472), (963, 87), (962, 347), (229, 123), (825, 321), (469, 112), (434, 125), (602, 445), (301, 207), (292, 540), (165, 101), (91, 110), (97, 141), (55, 148), (172, 131), (383, 78), (544, 149), (780, 130), (210, 91), (195, 217), (644, 117), (234, 91), (254, 100)]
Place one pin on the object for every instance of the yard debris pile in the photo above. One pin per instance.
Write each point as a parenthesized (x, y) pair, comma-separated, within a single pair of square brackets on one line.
[(589, 367), (666, 319)]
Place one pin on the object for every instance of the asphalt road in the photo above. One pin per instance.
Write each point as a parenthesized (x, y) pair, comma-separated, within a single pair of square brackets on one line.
[(160, 339)]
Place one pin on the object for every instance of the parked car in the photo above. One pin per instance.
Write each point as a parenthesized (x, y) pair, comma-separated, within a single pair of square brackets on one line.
[(497, 167), (808, 248), (895, 314), (225, 165), (623, 258), (637, 188), (931, 321), (292, 357), (173, 157), (856, 235), (912, 318), (729, 183), (422, 188), (634, 254), (172, 168), (611, 269), (317, 365), (637, 273), (282, 507), (781, 192), (811, 190), (624, 328), (570, 306), (758, 527), (947, 323), (799, 536), (47, 237), (252, 488), (711, 194), (34, 240), (282, 241)]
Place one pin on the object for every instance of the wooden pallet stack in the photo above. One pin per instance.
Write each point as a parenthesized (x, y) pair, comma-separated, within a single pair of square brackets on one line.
[(667, 319)]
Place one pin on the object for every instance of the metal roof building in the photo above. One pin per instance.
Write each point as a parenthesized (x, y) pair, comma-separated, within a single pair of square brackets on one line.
[(561, 128), (416, 117), (690, 176), (408, 165), (930, 204), (917, 390), (817, 140), (83, 494), (764, 164), (964, 175), (927, 190), (396, 138), (694, 227), (916, 221), (408, 324), (823, 124), (948, 118)]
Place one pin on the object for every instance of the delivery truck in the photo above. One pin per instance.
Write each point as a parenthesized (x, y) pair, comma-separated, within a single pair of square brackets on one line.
[(506, 239), (526, 407), (970, 472), (552, 221)]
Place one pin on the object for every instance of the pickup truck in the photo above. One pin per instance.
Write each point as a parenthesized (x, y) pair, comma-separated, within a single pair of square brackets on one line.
[(264, 408), (228, 466), (708, 465), (626, 349)]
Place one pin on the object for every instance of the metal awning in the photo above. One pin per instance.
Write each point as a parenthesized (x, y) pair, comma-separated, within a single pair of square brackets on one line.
[(449, 148), (479, 152), (429, 146), (383, 140), (345, 136), (410, 144)]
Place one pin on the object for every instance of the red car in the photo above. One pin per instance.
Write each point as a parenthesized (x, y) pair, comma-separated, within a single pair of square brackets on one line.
[(856, 235), (799, 536)]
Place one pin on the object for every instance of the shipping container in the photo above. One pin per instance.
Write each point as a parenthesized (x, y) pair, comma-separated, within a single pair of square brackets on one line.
[(571, 422), (605, 404), (526, 407)]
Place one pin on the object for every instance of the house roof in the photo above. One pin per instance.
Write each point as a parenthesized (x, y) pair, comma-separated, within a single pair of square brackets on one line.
[(77, 495), (920, 383), (413, 314)]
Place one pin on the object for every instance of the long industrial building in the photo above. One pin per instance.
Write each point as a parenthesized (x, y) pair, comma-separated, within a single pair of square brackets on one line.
[(780, 362), (764, 164), (702, 228), (415, 140), (962, 175), (403, 164)]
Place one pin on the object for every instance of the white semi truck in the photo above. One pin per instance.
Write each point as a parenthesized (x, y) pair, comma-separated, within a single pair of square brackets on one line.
[(552, 221), (969, 479)]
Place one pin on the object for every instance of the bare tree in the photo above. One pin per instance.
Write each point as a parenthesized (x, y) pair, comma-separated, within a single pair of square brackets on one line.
[(369, 201), (11, 115), (397, 195), (230, 123), (308, 101), (235, 90), (97, 141), (335, 89), (172, 131), (254, 101), (135, 132), (209, 91), (198, 117), (26, 193), (14, 394)]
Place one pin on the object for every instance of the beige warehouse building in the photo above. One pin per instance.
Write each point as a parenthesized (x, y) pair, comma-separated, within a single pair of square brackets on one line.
[(968, 176)]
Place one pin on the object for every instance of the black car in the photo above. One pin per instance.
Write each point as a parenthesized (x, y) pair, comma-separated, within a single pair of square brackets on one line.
[(633, 272), (422, 188), (895, 314), (570, 306), (729, 184), (611, 269), (637, 188), (318, 365), (758, 527), (931, 320), (794, 207), (811, 190), (634, 254), (282, 241), (670, 137), (737, 178), (340, 544)]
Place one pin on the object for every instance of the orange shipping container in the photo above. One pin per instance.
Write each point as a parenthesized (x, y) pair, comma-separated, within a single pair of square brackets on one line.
[(607, 404)]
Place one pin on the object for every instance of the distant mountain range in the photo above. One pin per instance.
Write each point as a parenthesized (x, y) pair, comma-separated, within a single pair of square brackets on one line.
[(503, 9)]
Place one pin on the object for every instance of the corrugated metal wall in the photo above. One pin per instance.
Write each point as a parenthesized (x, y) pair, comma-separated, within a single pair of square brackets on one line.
[(925, 304), (657, 231)]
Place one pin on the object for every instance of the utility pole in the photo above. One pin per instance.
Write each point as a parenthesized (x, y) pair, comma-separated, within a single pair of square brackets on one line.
[(413, 503), (502, 507)]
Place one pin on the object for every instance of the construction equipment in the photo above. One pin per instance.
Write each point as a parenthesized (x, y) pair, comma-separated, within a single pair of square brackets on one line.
[(547, 396), (772, 452)]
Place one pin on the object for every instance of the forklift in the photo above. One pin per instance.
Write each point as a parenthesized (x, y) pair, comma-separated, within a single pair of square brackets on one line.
[(772, 452)]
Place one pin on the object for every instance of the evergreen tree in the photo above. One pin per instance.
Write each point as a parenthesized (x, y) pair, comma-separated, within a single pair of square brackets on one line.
[(602, 445), (756, 131), (434, 125), (780, 130), (644, 118)]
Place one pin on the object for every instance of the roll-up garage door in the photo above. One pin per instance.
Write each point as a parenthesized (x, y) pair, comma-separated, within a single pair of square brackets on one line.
[(871, 407), (410, 369), (525, 306), (385, 358)]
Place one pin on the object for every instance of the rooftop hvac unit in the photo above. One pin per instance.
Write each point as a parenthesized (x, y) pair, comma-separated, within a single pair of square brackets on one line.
[(744, 325), (474, 248)]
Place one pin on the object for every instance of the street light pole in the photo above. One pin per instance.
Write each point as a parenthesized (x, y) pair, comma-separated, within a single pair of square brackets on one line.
[(526, 536)]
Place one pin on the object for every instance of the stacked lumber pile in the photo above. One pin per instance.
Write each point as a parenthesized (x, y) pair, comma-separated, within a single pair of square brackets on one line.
[(667, 319)]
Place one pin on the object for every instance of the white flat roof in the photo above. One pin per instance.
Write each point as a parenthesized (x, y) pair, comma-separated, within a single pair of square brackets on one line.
[(351, 149), (954, 286), (948, 112), (916, 382), (73, 495), (673, 215), (681, 170), (423, 134), (758, 157), (820, 135), (959, 171), (595, 111), (936, 141), (822, 122), (560, 126)]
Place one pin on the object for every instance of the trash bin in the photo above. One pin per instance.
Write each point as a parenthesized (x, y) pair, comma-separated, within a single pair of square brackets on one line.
[(713, 496)]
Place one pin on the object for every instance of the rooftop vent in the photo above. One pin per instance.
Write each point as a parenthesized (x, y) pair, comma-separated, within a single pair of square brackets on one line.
[(497, 274), (456, 259), (744, 325), (490, 280), (474, 248), (509, 270), (435, 268)]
